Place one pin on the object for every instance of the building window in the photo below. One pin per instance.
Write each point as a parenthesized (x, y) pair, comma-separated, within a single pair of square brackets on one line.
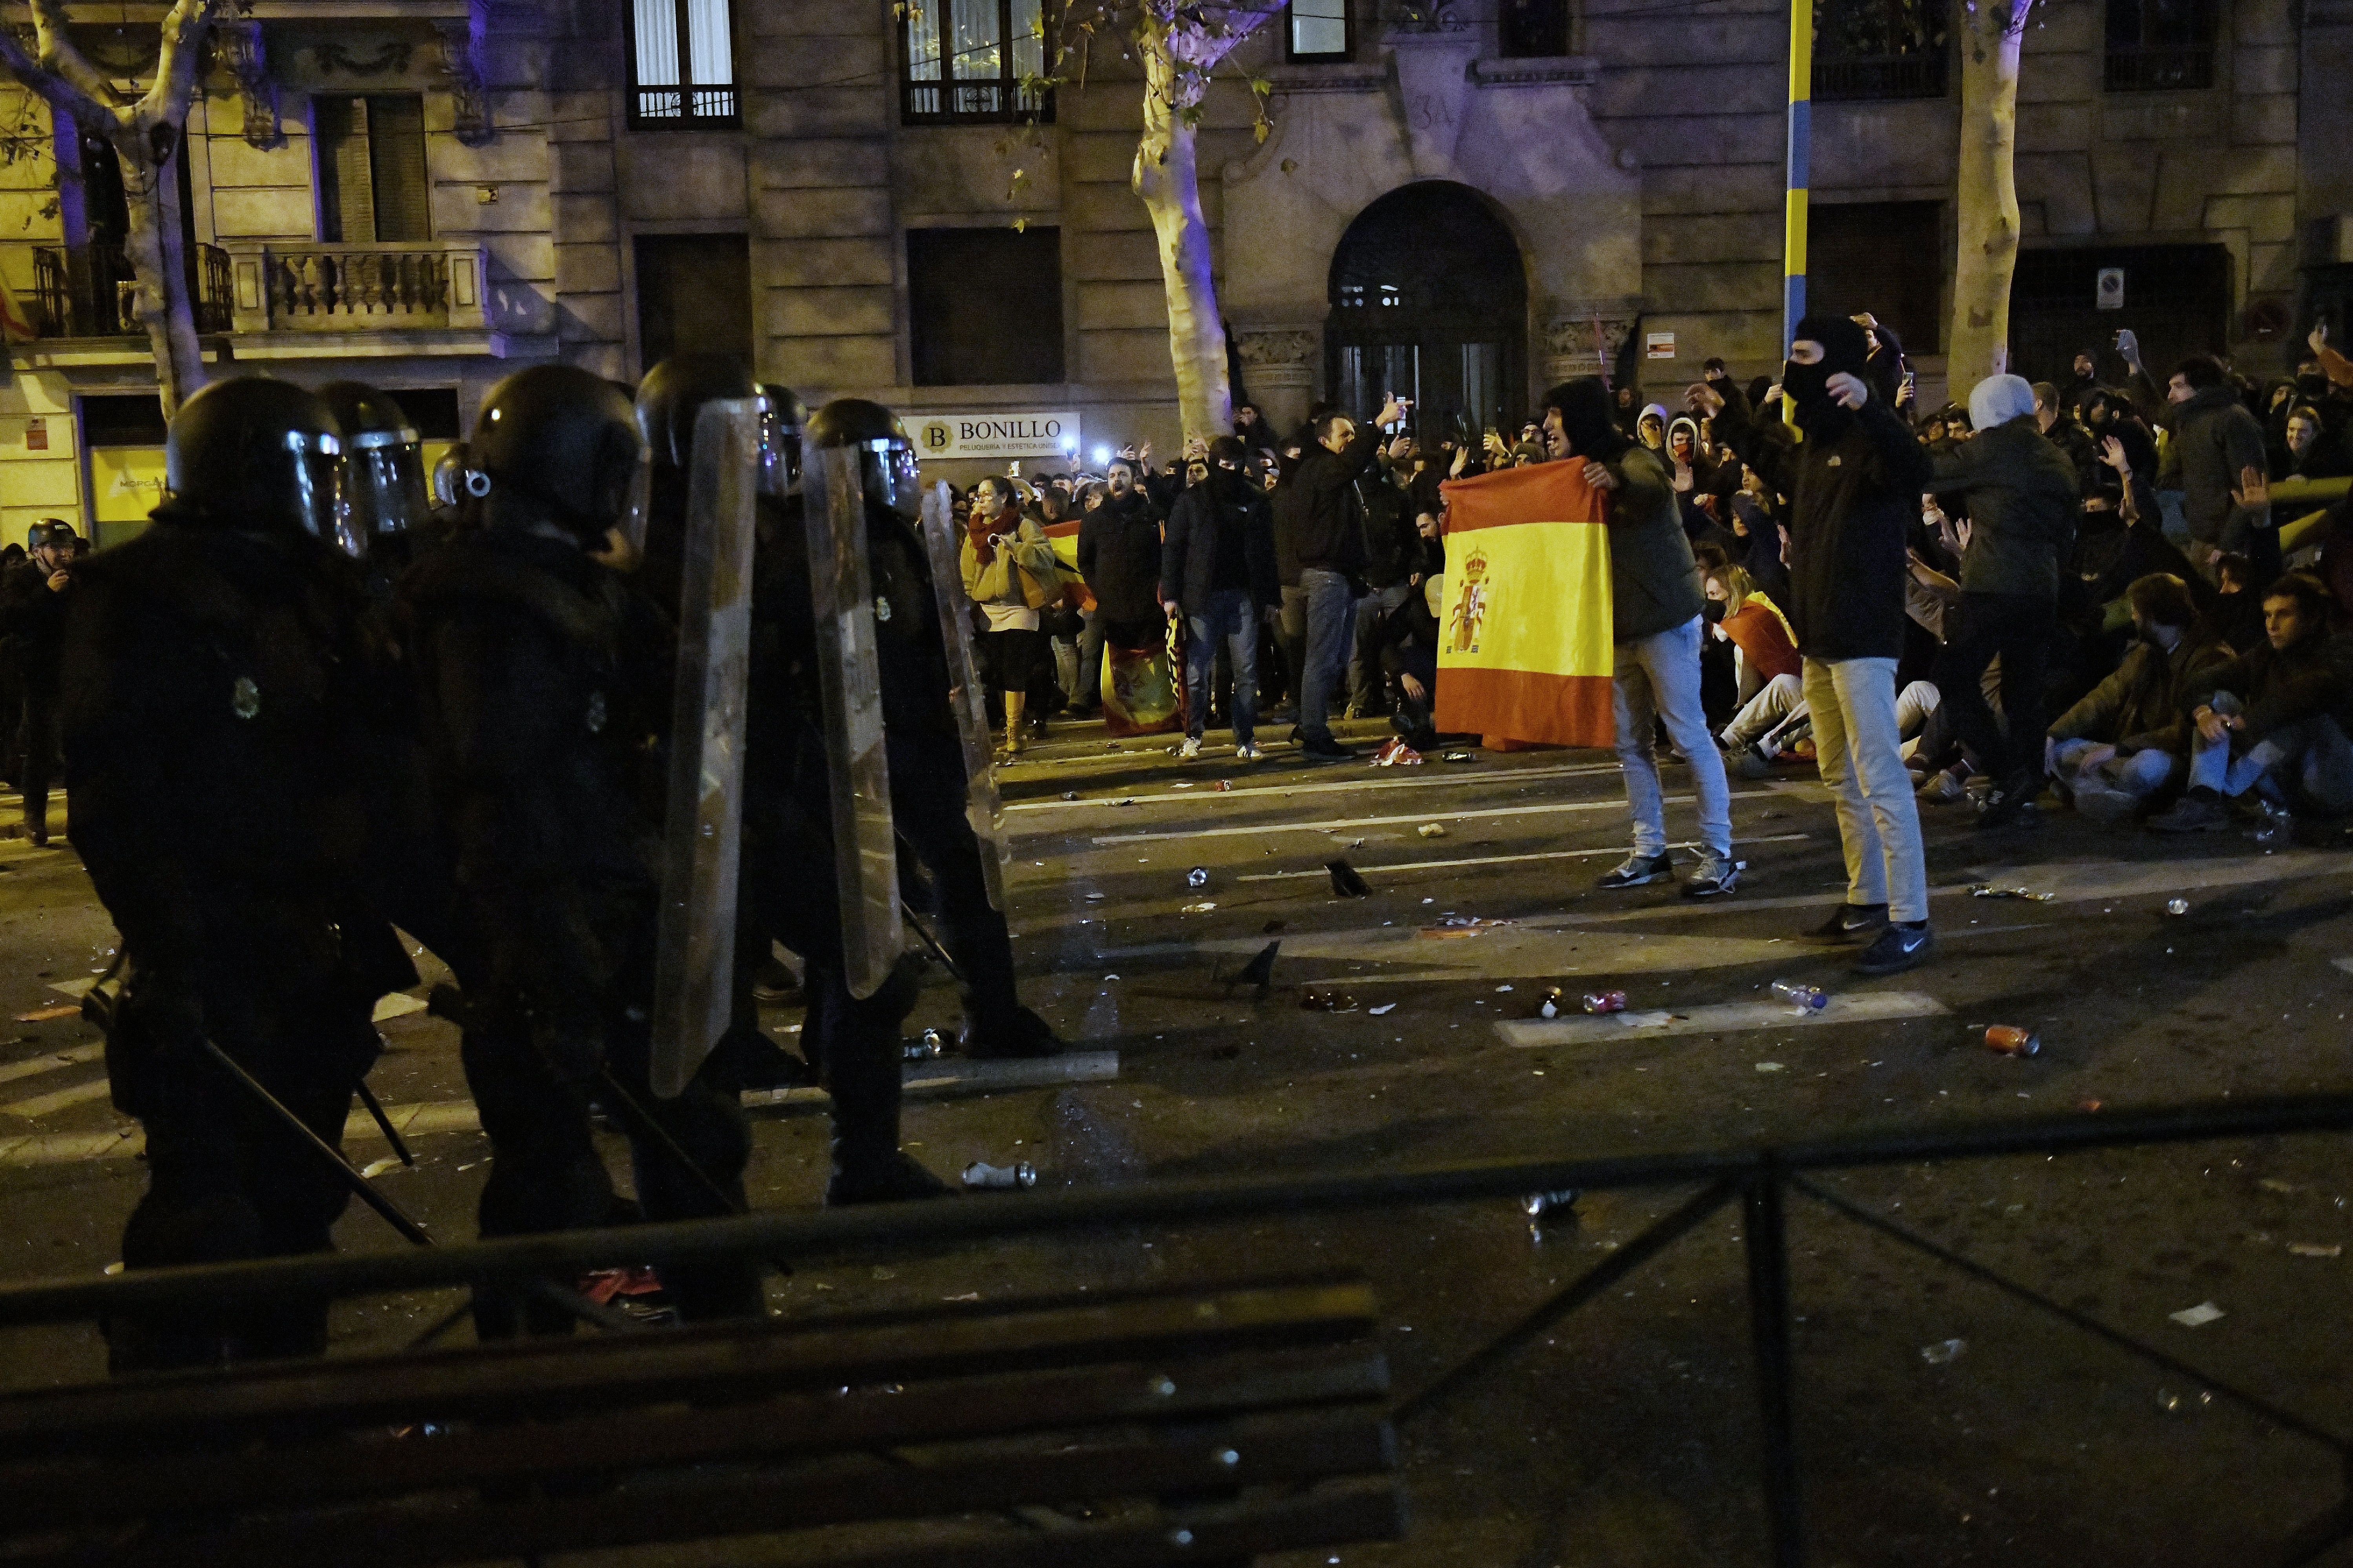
[(986, 305), (1880, 48), (694, 296), (1533, 29), (2160, 46), (681, 63), (974, 60), (1884, 257), (1318, 30), (372, 185)]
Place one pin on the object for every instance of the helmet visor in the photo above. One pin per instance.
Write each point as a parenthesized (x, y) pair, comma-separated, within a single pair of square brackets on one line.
[(780, 449), (890, 477), (383, 480), (636, 504), (313, 492)]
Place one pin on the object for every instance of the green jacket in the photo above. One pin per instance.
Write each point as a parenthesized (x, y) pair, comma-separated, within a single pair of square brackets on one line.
[(2144, 704), (2022, 497), (1654, 581)]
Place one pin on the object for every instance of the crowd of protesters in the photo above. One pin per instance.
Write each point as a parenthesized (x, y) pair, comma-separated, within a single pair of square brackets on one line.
[(2124, 595)]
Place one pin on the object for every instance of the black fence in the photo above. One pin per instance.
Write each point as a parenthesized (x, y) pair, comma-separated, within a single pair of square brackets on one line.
[(102, 307), (1850, 78), (1759, 1178)]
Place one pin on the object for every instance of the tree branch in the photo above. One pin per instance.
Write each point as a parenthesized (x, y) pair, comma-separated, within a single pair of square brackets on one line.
[(61, 95), (177, 65), (62, 62)]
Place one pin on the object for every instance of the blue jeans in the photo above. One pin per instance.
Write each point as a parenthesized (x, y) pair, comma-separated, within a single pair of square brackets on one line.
[(1230, 614), (2141, 775), (1367, 682), (2308, 764), (1091, 647), (1657, 678), (1331, 619)]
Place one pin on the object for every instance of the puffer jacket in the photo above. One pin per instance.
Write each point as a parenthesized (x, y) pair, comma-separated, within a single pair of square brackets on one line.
[(2021, 492)]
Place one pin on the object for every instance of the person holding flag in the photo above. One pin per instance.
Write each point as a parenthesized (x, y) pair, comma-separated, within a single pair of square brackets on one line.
[(1655, 629)]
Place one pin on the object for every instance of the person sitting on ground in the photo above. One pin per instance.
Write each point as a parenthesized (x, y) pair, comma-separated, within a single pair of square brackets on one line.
[(2277, 722), (2237, 613), (1754, 625), (1409, 655), (1773, 726), (2128, 739)]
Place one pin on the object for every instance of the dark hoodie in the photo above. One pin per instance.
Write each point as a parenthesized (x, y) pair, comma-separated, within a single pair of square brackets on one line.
[(1855, 486), (1653, 582)]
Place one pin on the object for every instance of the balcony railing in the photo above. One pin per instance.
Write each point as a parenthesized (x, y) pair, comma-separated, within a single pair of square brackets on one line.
[(102, 305), (1855, 77), (2160, 68), (432, 285)]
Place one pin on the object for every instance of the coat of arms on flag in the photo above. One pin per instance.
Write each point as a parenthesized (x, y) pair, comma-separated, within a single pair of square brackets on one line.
[(1523, 649)]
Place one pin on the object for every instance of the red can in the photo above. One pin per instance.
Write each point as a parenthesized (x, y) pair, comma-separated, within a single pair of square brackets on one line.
[(1606, 1002), (2012, 1040)]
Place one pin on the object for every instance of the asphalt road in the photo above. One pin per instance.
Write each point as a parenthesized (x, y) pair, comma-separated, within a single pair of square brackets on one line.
[(1939, 1420)]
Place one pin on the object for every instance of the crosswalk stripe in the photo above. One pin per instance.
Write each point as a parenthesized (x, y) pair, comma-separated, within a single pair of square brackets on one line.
[(1335, 823), (52, 1062), (57, 1099), (1452, 778), (1722, 1018), (1373, 871)]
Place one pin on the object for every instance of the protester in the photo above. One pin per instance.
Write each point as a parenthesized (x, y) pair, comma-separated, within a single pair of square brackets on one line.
[(1755, 625), (1392, 556), (2128, 739), (2275, 720), (2022, 499), (34, 601), (1001, 548), (1316, 510), (1853, 485), (1655, 622), (1217, 570), (2219, 449)]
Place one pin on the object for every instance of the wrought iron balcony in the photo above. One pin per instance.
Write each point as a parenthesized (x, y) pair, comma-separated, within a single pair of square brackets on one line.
[(99, 302)]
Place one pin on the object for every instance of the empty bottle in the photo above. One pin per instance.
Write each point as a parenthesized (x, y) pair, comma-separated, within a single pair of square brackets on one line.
[(1539, 1204), (1801, 996), (2012, 1040), (1197, 877), (1606, 1002), (980, 1173)]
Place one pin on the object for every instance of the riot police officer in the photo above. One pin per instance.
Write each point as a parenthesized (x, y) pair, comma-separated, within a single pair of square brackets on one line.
[(543, 683), (386, 503), (222, 675), (32, 602)]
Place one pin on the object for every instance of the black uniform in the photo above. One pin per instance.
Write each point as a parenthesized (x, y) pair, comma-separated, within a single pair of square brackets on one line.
[(32, 622), (222, 693), (543, 683)]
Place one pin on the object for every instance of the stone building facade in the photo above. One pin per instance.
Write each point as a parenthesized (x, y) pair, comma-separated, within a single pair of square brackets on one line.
[(1467, 200)]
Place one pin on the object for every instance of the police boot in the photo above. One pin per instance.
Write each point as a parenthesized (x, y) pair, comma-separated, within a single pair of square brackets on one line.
[(868, 1167), (1020, 1033)]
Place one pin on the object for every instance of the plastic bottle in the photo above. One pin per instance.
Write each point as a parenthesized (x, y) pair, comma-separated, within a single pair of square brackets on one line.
[(2012, 1040), (1197, 877), (932, 1044), (1538, 1205), (1606, 1002), (1801, 996), (980, 1173)]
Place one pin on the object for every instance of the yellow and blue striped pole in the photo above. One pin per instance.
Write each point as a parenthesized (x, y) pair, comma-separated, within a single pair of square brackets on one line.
[(1802, 136)]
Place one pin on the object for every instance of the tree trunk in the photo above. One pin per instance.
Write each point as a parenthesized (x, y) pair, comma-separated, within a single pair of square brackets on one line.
[(1986, 193), (1167, 177), (153, 247)]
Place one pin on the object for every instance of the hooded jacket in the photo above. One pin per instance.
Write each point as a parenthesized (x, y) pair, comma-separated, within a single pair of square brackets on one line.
[(2022, 499), (1654, 583), (2215, 437), (1224, 503), (1854, 484)]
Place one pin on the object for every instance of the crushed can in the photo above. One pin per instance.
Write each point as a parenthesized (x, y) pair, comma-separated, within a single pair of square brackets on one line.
[(2012, 1040), (982, 1174), (1539, 1205), (923, 1050), (1548, 1003), (1606, 1002), (1801, 996), (1197, 877)]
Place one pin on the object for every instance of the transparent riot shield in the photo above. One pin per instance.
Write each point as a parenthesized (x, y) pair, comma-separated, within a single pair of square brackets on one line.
[(842, 602), (981, 807), (694, 955)]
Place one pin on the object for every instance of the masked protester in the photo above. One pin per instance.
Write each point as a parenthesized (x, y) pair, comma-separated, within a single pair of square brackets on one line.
[(544, 685), (222, 672), (1217, 571), (1854, 483)]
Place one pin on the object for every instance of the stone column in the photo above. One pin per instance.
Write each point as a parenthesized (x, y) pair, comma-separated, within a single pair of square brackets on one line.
[(1279, 371)]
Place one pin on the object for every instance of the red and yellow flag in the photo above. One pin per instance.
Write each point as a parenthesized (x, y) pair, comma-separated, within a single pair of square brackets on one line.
[(1523, 637)]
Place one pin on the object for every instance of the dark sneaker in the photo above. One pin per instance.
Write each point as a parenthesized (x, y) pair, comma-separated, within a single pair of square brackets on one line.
[(1323, 749), (2012, 801), (1852, 923), (1713, 879), (2199, 811), (1897, 949), (1635, 871)]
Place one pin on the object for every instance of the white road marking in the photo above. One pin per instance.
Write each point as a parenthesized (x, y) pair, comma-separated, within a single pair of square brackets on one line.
[(1452, 776), (1336, 823), (52, 1062), (399, 1004), (57, 1099), (1723, 1018), (1372, 871)]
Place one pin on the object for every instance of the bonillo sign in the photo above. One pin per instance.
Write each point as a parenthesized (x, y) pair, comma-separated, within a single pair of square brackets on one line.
[(995, 434)]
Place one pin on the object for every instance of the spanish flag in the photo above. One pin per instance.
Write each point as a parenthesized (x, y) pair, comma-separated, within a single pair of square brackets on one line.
[(1523, 638)]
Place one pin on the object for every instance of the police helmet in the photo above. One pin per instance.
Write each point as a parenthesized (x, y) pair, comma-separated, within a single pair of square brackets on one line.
[(886, 458), (384, 461), (449, 484), (254, 453), (673, 394), (564, 444)]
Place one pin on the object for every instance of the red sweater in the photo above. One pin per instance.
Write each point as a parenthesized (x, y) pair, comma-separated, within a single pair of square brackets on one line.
[(1762, 636)]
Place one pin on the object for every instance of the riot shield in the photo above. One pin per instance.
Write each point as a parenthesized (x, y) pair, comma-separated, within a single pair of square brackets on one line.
[(981, 806), (842, 602), (694, 955)]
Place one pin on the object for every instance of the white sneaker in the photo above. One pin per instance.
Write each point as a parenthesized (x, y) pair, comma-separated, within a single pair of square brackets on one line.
[(1246, 753), (1189, 750)]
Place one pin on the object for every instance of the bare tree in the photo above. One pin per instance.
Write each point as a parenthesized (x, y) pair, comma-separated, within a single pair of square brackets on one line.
[(1986, 196), (1180, 46), (146, 133)]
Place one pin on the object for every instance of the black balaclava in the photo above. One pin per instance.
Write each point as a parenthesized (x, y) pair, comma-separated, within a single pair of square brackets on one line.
[(1587, 417), (1844, 348)]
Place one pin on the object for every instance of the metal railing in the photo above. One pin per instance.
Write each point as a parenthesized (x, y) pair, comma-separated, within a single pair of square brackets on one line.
[(1759, 1178), (1853, 78), (103, 306), (2160, 68)]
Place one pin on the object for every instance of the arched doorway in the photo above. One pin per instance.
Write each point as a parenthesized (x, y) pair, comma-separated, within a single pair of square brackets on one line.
[(1429, 299)]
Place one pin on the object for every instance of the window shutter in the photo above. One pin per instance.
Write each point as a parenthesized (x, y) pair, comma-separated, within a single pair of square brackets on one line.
[(396, 164)]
